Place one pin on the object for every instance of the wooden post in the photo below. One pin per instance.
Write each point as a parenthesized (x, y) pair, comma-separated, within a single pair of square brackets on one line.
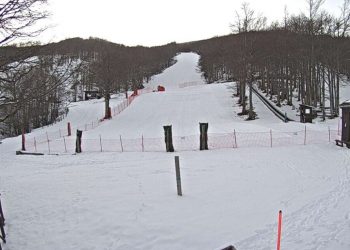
[(168, 138), (121, 143), (178, 176), (69, 129), (203, 142), (78, 141), (23, 141), (101, 142), (48, 143), (305, 136), (329, 134), (271, 137), (65, 146), (279, 230), (109, 113), (143, 146)]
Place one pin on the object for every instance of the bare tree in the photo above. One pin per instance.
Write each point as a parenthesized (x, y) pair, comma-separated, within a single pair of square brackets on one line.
[(18, 19), (247, 21), (344, 20)]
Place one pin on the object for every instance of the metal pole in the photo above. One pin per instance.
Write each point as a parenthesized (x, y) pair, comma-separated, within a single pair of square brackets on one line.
[(48, 142), (121, 143), (35, 144), (65, 146)]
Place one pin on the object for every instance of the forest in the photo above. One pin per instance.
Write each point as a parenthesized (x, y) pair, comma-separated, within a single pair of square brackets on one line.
[(304, 58)]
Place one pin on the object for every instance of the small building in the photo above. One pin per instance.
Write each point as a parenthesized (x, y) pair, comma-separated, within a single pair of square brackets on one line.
[(92, 94), (306, 114), (345, 131)]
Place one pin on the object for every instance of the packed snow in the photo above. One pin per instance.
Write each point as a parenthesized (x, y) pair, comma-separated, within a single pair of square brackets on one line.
[(129, 201)]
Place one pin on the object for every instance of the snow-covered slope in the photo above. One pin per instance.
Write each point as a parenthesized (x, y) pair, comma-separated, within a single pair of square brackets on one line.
[(128, 200), (184, 72)]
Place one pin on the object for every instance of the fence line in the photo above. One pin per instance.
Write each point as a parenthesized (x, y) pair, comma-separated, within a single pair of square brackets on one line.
[(236, 139), (190, 84), (62, 132)]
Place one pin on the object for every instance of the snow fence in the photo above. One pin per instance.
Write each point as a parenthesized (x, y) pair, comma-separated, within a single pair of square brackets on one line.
[(266, 139)]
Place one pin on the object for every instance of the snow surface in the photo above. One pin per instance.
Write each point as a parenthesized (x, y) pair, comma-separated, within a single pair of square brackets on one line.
[(184, 72), (129, 201)]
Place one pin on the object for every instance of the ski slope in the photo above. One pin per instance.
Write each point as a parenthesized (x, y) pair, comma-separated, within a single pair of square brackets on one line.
[(129, 201)]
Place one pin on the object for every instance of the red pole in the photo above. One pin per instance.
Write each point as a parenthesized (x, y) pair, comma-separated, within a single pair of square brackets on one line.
[(279, 230), (69, 129), (23, 141)]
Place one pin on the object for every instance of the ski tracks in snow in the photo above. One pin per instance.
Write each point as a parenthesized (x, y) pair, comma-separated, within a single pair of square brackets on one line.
[(311, 223)]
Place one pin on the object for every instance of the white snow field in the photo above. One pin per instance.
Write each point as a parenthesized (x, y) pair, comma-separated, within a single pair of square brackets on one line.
[(114, 200)]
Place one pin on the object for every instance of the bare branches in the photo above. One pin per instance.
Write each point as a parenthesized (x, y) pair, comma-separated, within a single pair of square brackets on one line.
[(344, 20), (18, 18), (247, 20)]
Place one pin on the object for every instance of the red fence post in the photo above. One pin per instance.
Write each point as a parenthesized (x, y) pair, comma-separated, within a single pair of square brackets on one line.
[(329, 134), (271, 137), (305, 136), (69, 129), (23, 141), (279, 230)]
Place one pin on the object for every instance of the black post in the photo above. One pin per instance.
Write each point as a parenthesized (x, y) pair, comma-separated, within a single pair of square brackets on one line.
[(203, 144), (168, 138), (178, 176), (1, 212), (2, 224), (78, 141)]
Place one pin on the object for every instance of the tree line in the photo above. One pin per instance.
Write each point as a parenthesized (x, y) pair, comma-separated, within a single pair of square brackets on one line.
[(39, 86), (303, 58)]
